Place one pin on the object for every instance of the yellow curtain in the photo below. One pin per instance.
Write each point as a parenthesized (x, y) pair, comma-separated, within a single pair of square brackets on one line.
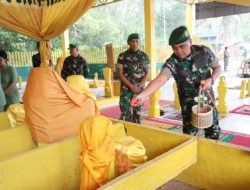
[(40, 19), (97, 152)]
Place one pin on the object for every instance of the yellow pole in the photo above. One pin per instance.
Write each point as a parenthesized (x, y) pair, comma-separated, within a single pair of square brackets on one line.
[(190, 17), (65, 43), (20, 81), (248, 87), (154, 108), (150, 34), (242, 89)]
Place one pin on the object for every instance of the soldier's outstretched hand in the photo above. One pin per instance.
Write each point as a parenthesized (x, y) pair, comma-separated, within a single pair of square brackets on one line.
[(207, 84), (136, 101)]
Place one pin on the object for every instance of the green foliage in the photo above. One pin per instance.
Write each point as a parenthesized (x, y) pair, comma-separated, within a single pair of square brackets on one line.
[(108, 24), (11, 41), (228, 29), (113, 23), (245, 30), (169, 15)]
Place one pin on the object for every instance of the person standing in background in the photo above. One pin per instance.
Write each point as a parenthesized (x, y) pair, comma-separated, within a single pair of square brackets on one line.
[(74, 64), (133, 69), (9, 78)]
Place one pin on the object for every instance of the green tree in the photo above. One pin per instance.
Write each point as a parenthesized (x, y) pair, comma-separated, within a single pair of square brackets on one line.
[(12, 41), (108, 24), (169, 15)]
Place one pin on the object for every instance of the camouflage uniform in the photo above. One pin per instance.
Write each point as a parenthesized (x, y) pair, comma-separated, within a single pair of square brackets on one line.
[(133, 65), (188, 73), (74, 66)]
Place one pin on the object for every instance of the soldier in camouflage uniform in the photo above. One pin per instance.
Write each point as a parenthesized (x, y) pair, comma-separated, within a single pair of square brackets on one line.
[(189, 64), (226, 58), (74, 64), (133, 69)]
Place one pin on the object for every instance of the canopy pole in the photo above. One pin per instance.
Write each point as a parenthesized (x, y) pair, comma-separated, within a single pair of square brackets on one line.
[(149, 14), (150, 47), (65, 43), (190, 18)]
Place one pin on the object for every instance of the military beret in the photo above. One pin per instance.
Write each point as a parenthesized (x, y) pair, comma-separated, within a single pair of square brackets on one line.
[(179, 35), (133, 36), (72, 46)]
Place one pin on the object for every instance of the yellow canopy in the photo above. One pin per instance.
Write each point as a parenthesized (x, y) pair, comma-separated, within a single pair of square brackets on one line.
[(236, 2)]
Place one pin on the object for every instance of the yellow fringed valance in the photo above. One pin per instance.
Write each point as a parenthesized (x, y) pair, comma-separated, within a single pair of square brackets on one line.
[(42, 20)]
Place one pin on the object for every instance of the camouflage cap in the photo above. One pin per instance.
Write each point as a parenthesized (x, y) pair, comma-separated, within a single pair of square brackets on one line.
[(179, 35), (133, 36)]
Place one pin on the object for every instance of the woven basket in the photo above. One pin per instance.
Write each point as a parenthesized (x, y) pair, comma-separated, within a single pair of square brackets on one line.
[(202, 120)]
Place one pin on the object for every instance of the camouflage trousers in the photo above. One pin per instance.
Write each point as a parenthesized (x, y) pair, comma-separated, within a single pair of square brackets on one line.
[(129, 113), (225, 63), (212, 132)]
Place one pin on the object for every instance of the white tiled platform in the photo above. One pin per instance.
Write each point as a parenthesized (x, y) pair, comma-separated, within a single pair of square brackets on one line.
[(236, 123)]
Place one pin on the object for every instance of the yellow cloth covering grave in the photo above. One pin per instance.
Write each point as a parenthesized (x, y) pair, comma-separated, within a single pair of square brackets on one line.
[(97, 152), (130, 153), (54, 111), (78, 83)]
